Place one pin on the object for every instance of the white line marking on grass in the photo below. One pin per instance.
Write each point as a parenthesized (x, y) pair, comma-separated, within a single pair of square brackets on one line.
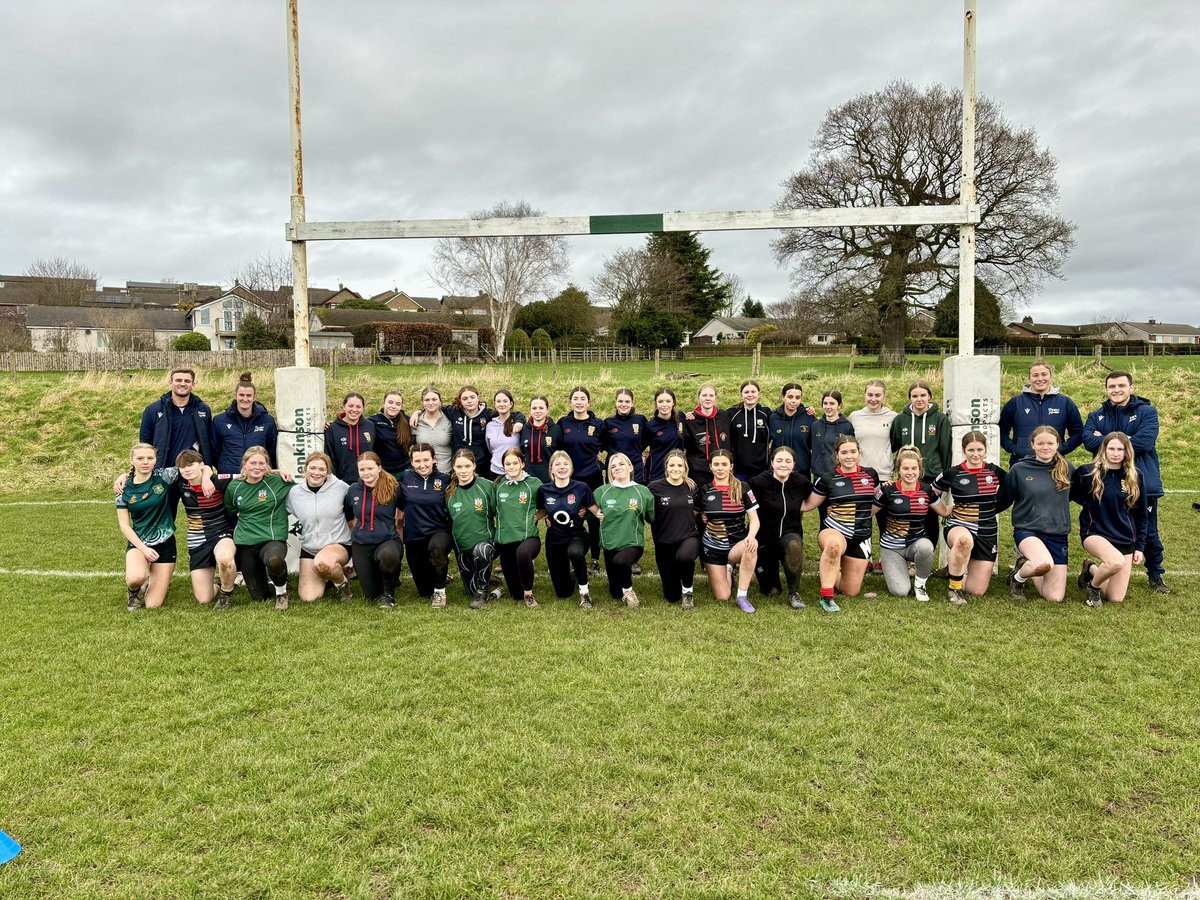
[(56, 502), (63, 573)]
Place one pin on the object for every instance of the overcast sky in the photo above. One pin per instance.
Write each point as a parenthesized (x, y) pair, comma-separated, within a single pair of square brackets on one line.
[(149, 140)]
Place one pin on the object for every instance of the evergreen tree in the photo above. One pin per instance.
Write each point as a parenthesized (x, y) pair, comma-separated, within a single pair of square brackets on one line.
[(706, 292), (753, 309), (989, 327)]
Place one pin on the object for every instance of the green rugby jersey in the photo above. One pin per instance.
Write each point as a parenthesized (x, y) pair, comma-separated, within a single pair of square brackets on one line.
[(626, 510), (261, 509), (516, 504), (149, 506), (472, 513)]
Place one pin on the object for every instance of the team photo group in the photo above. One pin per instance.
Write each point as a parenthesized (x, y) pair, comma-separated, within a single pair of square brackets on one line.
[(471, 476)]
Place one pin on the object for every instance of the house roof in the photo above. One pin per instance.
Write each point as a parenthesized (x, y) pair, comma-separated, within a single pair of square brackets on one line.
[(91, 317), (237, 290), (741, 323), (1162, 328), (349, 318), (1046, 328)]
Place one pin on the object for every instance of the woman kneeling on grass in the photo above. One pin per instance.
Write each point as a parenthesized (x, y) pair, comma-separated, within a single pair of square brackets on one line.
[(905, 505), (676, 537), (564, 503), (318, 504), (517, 536), (725, 506), (1038, 490), (781, 493), (371, 507), (471, 503), (848, 494), (259, 500), (1112, 523), (144, 514), (625, 507), (971, 528), (427, 540)]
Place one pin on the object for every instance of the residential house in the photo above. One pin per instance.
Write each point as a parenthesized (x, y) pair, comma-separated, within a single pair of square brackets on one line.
[(88, 329), (463, 333), (1027, 328), (1155, 332), (326, 336), (464, 306), (219, 318), (399, 301), (724, 329), (25, 289)]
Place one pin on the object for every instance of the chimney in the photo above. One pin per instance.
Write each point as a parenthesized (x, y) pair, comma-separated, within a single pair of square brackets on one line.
[(1152, 322), (1028, 320)]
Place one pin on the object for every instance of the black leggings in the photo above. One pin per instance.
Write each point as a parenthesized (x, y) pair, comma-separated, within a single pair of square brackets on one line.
[(378, 567), (516, 562), (568, 565), (785, 550), (475, 566), (593, 524), (428, 560), (619, 566), (264, 567), (677, 566)]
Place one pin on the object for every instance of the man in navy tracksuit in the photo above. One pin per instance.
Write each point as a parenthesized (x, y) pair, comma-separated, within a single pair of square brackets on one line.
[(244, 425), (178, 421), (1039, 403), (1135, 416)]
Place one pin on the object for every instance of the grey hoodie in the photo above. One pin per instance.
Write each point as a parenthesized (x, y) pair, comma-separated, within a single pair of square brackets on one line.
[(873, 431), (1037, 503), (320, 514)]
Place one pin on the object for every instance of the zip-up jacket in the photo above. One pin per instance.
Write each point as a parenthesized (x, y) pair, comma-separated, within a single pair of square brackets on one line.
[(423, 500), (374, 522), (702, 437), (583, 440), (779, 503), (472, 512), (172, 430), (471, 431), (394, 457), (822, 441), (874, 433), (537, 443), (1139, 420), (929, 432), (516, 508), (749, 437), (1026, 411), (1109, 517), (261, 509), (793, 431), (345, 443), (624, 434), (660, 438), (627, 508), (321, 513), (1037, 504), (234, 434)]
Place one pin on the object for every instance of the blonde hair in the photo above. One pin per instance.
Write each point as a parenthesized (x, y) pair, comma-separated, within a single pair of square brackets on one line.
[(561, 454), (682, 457), (910, 452), (1061, 473), (618, 457), (1129, 473), (255, 451), (142, 445)]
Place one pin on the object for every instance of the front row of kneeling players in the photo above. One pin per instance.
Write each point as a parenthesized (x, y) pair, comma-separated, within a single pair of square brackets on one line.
[(751, 527)]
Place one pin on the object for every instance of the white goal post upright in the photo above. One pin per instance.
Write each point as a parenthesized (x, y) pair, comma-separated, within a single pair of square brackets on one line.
[(972, 383)]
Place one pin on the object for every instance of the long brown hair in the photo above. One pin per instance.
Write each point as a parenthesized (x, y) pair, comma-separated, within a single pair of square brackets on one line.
[(1129, 473), (512, 408), (385, 487), (1061, 473), (461, 452), (735, 484), (404, 436)]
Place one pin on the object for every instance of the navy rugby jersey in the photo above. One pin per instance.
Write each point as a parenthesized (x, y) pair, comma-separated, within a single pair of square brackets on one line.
[(849, 501), (583, 441), (725, 519), (904, 514), (624, 434), (565, 508), (423, 499)]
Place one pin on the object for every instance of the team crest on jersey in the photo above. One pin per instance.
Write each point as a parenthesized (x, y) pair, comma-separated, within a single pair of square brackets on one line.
[(932, 430), (804, 429), (920, 501), (158, 489), (367, 437), (547, 439), (989, 480), (570, 498), (866, 479), (262, 495), (633, 504), (591, 430), (724, 437), (478, 504), (437, 484), (523, 497), (637, 428)]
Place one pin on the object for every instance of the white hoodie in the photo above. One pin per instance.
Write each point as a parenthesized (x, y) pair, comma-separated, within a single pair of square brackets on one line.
[(873, 431)]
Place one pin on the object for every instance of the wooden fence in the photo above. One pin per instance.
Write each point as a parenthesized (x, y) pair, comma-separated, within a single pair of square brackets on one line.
[(119, 361)]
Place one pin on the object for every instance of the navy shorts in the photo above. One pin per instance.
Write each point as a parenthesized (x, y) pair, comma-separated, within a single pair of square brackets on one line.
[(982, 550), (1055, 543), (205, 556), (713, 556), (166, 550)]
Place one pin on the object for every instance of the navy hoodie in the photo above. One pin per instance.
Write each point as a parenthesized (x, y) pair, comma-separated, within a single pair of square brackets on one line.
[(1026, 411), (345, 443), (822, 440), (793, 431), (395, 458), (1109, 517), (234, 434), (623, 434), (374, 522)]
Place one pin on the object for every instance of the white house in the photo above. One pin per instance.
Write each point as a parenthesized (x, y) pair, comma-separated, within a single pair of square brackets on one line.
[(219, 318), (735, 328), (1156, 332), (88, 329)]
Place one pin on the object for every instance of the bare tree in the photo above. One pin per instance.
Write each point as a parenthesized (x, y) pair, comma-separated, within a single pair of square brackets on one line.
[(507, 270), (65, 339), (13, 336), (125, 330), (737, 293), (634, 280), (59, 281), (902, 147), (269, 277)]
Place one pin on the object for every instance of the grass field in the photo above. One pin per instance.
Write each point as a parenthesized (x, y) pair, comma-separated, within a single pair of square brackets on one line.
[(338, 750)]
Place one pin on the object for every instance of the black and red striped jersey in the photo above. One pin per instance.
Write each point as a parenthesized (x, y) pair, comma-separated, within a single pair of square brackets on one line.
[(904, 514), (849, 501), (974, 494), (206, 519), (725, 518)]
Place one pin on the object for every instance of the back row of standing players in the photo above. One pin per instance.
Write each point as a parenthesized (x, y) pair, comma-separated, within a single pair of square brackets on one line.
[(748, 431)]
